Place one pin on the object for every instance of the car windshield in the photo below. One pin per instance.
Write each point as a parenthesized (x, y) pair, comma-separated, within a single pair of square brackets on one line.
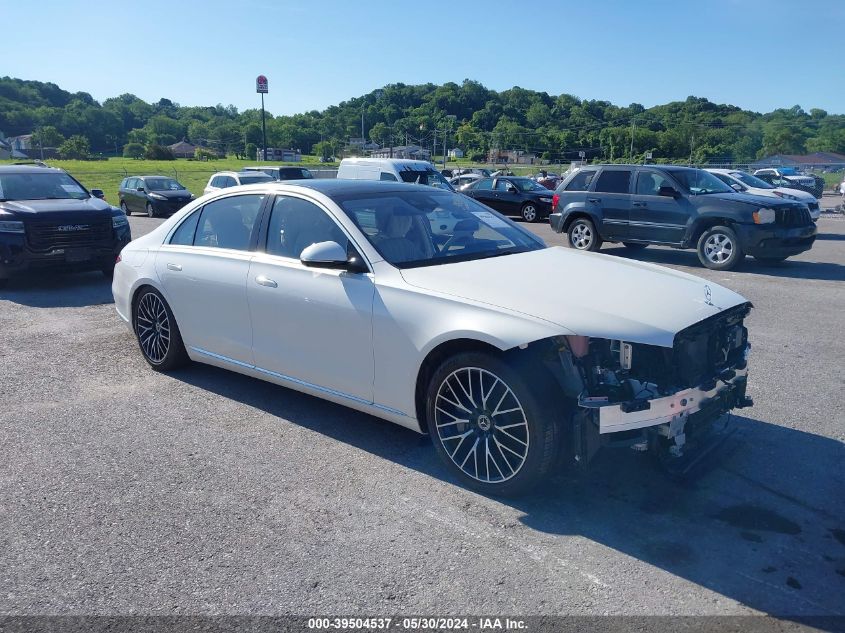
[(526, 184), (40, 186), (751, 181), (698, 181), (294, 174), (163, 184), (250, 179), (425, 177), (415, 228)]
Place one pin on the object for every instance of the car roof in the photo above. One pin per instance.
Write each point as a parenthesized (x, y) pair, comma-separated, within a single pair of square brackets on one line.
[(340, 187), (29, 169)]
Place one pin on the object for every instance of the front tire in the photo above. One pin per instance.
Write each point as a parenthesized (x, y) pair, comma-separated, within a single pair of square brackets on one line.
[(490, 427), (719, 248), (583, 236), (157, 332), (529, 212), (151, 213), (125, 209)]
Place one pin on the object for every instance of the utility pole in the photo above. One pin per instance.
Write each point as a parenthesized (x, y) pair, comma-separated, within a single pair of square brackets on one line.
[(434, 147), (633, 126), (362, 123), (261, 85)]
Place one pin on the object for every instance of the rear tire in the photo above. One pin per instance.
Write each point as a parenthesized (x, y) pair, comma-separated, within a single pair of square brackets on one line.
[(634, 246), (719, 248), (582, 235), (490, 426), (157, 332)]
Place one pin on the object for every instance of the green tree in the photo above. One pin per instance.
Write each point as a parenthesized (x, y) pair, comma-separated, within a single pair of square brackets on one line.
[(133, 150), (158, 152), (76, 146), (47, 136), (251, 151)]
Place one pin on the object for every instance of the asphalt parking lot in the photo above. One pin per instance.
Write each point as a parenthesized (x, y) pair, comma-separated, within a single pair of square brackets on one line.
[(205, 492)]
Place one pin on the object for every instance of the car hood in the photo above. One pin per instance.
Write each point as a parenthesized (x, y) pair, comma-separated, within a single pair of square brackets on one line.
[(173, 195), (586, 294), (38, 209), (758, 200)]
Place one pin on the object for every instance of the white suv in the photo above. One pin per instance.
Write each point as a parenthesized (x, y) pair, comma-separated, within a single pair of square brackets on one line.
[(224, 179)]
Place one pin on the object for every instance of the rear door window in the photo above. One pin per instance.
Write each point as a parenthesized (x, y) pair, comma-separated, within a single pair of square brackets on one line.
[(229, 222), (613, 181)]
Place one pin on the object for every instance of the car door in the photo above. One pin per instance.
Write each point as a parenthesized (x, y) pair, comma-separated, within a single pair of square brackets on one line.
[(310, 325), (204, 268), (507, 197), (130, 195), (611, 194), (656, 218), (483, 191)]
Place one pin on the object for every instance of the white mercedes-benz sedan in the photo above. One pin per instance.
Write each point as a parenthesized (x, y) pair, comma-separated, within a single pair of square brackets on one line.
[(514, 357)]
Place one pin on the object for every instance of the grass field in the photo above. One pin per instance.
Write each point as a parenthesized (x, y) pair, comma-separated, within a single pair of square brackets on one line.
[(107, 174)]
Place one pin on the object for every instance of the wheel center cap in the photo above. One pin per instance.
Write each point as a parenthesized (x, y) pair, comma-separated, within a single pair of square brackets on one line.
[(484, 423), (158, 327)]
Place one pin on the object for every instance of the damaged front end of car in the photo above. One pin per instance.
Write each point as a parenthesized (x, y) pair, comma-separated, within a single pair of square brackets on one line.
[(663, 400)]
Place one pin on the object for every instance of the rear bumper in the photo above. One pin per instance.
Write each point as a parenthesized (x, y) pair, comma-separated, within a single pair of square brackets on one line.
[(776, 241), (556, 220), (16, 257)]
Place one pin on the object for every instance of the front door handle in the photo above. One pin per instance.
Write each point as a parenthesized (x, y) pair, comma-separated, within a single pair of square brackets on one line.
[(638, 204), (261, 280), (595, 200), (176, 267)]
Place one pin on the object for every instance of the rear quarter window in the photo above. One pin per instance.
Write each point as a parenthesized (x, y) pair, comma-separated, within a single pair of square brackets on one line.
[(581, 180)]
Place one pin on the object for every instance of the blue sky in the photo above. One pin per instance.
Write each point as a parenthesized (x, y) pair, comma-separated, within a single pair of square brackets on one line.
[(757, 55)]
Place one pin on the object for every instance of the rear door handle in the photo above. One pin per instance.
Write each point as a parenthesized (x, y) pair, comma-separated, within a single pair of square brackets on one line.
[(261, 280), (638, 204), (594, 200), (176, 267)]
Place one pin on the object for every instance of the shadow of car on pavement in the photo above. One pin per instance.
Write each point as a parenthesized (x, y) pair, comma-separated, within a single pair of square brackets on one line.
[(762, 526)]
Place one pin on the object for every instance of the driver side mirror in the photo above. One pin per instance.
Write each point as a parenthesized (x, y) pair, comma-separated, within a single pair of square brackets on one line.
[(669, 192), (332, 255), (141, 189), (98, 193)]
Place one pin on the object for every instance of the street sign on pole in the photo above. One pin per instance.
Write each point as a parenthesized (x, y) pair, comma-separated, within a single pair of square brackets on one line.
[(261, 87)]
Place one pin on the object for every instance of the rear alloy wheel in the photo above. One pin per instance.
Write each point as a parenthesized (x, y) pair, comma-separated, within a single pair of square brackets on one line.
[(583, 235), (150, 211), (488, 426), (634, 246), (125, 209), (719, 248), (158, 335), (529, 212)]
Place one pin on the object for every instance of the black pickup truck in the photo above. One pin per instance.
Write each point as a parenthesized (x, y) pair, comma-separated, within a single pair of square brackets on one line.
[(48, 220), (679, 207)]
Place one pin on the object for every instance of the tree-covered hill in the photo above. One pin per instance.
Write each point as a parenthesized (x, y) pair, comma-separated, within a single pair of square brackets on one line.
[(557, 127)]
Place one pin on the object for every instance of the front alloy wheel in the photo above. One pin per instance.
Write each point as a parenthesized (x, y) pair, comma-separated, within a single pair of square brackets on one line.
[(529, 213), (150, 211), (158, 335), (488, 426), (719, 248)]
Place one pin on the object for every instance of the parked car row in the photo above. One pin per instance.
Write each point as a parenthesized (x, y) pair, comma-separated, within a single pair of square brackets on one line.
[(791, 178)]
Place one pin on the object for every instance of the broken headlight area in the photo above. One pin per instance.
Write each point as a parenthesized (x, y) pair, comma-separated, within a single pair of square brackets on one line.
[(652, 397)]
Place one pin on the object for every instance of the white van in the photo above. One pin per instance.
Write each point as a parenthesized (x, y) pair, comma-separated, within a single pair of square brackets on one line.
[(392, 169)]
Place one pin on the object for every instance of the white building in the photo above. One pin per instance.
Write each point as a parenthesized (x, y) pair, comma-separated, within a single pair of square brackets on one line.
[(456, 152)]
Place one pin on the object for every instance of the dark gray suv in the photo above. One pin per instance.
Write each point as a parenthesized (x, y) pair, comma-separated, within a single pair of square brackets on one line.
[(680, 207)]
